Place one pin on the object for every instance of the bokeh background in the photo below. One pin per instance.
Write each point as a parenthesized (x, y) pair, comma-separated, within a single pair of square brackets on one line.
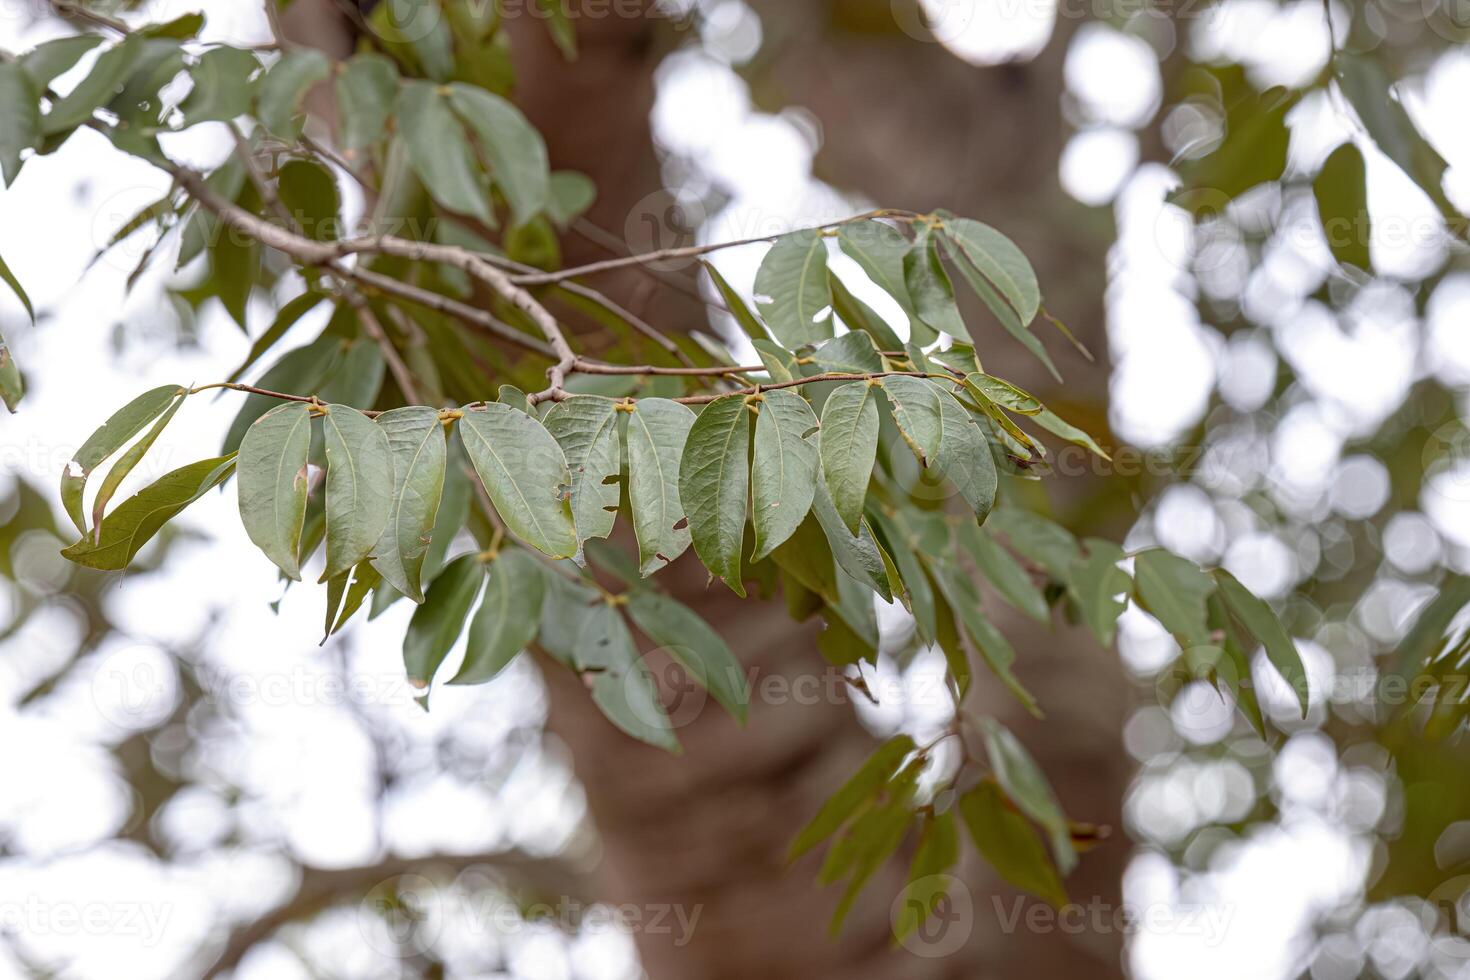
[(192, 785)]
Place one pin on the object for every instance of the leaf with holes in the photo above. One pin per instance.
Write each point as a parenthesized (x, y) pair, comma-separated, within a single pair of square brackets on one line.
[(526, 475), (586, 428), (657, 431)]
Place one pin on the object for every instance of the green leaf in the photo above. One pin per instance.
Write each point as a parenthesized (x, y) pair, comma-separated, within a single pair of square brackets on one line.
[(108, 73), (1174, 590), (285, 319), (964, 457), (784, 471), (868, 845), (994, 648), (366, 89), (1252, 152), (1044, 542), (299, 369), (1001, 276), (364, 580), (130, 459), (852, 353), (880, 250), (938, 851), (918, 594), (861, 787), (1004, 394), (1099, 588), (1024, 783), (856, 554), (8, 277), (512, 146), (12, 385), (46, 62), (1004, 573), (142, 515), (623, 689), (115, 433), (929, 287), (359, 486), (791, 289), (1009, 844), (221, 86), (526, 474), (438, 622), (508, 618), (657, 431), (1057, 426), (569, 195), (859, 316), (20, 118), (1341, 190), (692, 642), (918, 410), (440, 151), (309, 193), (586, 428), (420, 453), (282, 88), (1261, 620), (849, 447), (559, 26), (735, 303), (714, 483)]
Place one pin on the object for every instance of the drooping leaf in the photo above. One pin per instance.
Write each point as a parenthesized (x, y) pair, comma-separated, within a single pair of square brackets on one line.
[(569, 195), (510, 144), (282, 88), (1258, 617), (714, 484), (20, 118), (12, 385), (1098, 586), (130, 459), (860, 317), (526, 475), (1058, 426), (1024, 783), (1174, 590), (852, 353), (784, 470), (438, 622), (849, 447), (918, 595), (1004, 573), (938, 851), (870, 842), (365, 579), (880, 250), (964, 457), (694, 644), (115, 433), (1004, 394), (141, 516), (1009, 844), (8, 277), (735, 303), (359, 486), (366, 88), (918, 410), (961, 595), (108, 73), (1253, 151), (416, 441), (285, 319), (657, 432), (508, 618), (856, 554), (861, 787), (586, 428), (930, 289), (791, 289), (1001, 276), (309, 193), (221, 86), (1341, 190), (624, 689), (1043, 542), (440, 150)]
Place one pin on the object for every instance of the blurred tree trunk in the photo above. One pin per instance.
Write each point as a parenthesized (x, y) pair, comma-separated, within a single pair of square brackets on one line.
[(909, 125)]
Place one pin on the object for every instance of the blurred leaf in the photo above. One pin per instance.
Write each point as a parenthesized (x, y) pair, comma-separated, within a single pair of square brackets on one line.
[(569, 195), (1341, 189), (1025, 783), (309, 192), (735, 303), (440, 151), (1174, 590), (280, 91), (108, 73), (938, 851), (691, 641), (929, 287), (20, 118), (861, 787), (508, 618), (511, 145), (46, 62), (438, 622), (1097, 583), (1004, 573), (222, 86), (1009, 844), (367, 86), (12, 386), (1258, 617)]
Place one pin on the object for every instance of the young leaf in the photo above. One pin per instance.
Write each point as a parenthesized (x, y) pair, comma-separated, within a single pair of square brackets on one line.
[(1058, 426), (735, 303), (440, 151), (862, 786), (510, 144), (283, 87), (657, 431), (1174, 590), (221, 86), (366, 88), (849, 447), (917, 408), (508, 618), (1009, 844), (20, 118), (130, 459), (359, 486), (1024, 783), (784, 471), (586, 428), (1004, 394), (140, 517), (285, 319), (438, 622), (1260, 619), (526, 474), (930, 289), (964, 457), (416, 441), (692, 642), (115, 433), (791, 289), (714, 483), (938, 850), (1096, 584)]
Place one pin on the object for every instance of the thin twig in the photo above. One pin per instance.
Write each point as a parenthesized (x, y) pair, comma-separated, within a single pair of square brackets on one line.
[(369, 321), (72, 8)]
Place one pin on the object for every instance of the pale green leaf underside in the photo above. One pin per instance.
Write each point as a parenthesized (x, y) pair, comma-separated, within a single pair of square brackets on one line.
[(784, 471), (526, 475), (849, 447), (417, 443), (272, 484), (359, 486), (714, 481), (657, 431)]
